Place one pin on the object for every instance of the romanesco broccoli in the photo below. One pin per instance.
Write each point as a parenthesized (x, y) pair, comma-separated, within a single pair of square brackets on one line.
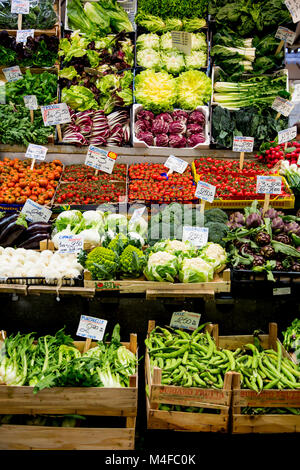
[(102, 263), (119, 243), (132, 262)]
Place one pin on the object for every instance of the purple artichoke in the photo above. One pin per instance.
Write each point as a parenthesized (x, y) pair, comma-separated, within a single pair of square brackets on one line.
[(245, 249), (277, 225), (268, 252), (296, 267), (258, 260), (279, 266), (270, 213), (283, 238), (262, 238), (292, 227), (253, 220)]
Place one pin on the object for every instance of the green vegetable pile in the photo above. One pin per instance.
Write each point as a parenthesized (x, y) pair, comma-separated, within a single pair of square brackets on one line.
[(53, 361), (42, 85), (174, 8), (291, 338), (155, 24), (41, 15)]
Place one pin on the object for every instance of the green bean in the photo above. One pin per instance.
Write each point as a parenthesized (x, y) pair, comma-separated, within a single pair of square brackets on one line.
[(173, 365), (185, 357), (231, 359), (198, 380), (189, 381), (279, 354), (236, 352), (183, 334), (176, 353), (271, 384), (200, 327)]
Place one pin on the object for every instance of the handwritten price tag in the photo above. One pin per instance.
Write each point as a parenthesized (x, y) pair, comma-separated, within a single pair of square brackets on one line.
[(281, 291), (100, 159), (70, 243), (243, 144), (12, 73), (137, 214), (198, 236), (23, 34), (185, 320), (287, 134), (282, 106), (21, 7), (268, 184), (294, 8), (35, 212), (54, 114), (182, 41), (30, 102), (38, 152), (205, 191), (285, 34), (176, 164), (91, 327)]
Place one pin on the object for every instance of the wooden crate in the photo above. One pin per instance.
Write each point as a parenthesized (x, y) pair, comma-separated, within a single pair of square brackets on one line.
[(174, 395), (89, 401), (266, 423)]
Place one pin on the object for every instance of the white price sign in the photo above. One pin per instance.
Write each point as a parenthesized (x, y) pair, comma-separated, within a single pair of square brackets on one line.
[(70, 243), (23, 34), (21, 7), (12, 73), (91, 327), (282, 106), (294, 8), (54, 114), (100, 159), (243, 144), (35, 212), (137, 213), (205, 191), (38, 152), (30, 102), (281, 291), (176, 164), (287, 134), (285, 34), (182, 41), (198, 236), (185, 320), (268, 184)]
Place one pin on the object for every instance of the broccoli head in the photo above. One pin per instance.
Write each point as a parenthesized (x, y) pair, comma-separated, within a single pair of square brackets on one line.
[(216, 232), (102, 263), (215, 215), (119, 243), (132, 262)]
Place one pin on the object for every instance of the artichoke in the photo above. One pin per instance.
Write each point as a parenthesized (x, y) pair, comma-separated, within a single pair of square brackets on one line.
[(258, 260), (245, 249), (270, 213), (292, 227), (262, 238), (268, 252), (279, 266), (277, 225), (296, 267), (283, 238), (253, 220)]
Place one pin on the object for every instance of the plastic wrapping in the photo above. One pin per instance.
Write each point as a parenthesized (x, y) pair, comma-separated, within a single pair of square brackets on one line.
[(41, 15)]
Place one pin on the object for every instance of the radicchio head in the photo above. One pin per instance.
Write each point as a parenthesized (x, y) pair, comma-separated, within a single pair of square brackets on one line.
[(177, 141)]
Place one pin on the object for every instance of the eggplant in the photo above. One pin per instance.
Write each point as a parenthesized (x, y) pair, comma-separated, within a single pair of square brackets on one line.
[(7, 220), (34, 241), (13, 231), (38, 227)]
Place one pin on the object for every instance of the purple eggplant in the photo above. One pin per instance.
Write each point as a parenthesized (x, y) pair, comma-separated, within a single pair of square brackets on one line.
[(38, 227), (13, 231), (7, 219), (34, 241)]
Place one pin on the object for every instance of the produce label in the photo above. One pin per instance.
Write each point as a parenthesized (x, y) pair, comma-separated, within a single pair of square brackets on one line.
[(285, 34), (282, 106), (281, 291), (137, 214), (268, 184), (38, 152), (173, 393), (12, 73), (182, 41), (70, 243), (243, 144), (287, 134), (91, 327), (107, 285), (294, 8), (100, 159), (176, 164), (35, 212), (198, 236), (23, 34), (279, 397), (205, 191), (54, 114), (31, 102), (21, 7), (296, 93), (185, 320)]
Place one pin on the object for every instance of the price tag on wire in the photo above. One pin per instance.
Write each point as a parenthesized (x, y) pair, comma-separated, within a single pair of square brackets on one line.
[(205, 191), (198, 236), (35, 212), (12, 73), (54, 114), (286, 35), (38, 152), (21, 7), (23, 34), (182, 41), (287, 134), (91, 327), (282, 106), (294, 8), (185, 320), (100, 159), (70, 243), (176, 164), (137, 213), (268, 184), (243, 144), (30, 102)]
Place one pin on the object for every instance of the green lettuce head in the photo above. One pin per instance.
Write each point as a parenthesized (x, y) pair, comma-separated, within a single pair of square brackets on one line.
[(156, 91), (149, 59), (79, 98), (147, 41), (215, 255), (194, 89), (173, 61), (195, 270), (196, 60), (162, 267)]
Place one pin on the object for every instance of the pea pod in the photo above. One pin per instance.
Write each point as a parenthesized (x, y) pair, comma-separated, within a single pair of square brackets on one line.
[(230, 359), (271, 384)]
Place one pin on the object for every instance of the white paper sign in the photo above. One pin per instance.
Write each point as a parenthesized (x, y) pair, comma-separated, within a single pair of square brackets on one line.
[(294, 8), (287, 134), (38, 152), (35, 212), (205, 191), (198, 236), (99, 159), (91, 327), (21, 7), (243, 144), (281, 291), (285, 34), (185, 320), (12, 73), (282, 106), (54, 114), (176, 164), (23, 34), (30, 102), (137, 213), (70, 243), (268, 184), (182, 41)]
